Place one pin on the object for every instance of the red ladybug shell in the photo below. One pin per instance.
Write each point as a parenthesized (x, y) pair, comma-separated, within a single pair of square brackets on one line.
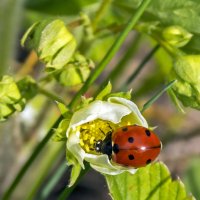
[(135, 146)]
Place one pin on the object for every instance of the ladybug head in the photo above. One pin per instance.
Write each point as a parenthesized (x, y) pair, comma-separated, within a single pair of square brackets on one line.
[(104, 146)]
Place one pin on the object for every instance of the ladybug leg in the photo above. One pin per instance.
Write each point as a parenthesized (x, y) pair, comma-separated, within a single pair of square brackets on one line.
[(110, 157)]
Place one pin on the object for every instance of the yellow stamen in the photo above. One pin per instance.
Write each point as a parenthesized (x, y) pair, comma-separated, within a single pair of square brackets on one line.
[(93, 131)]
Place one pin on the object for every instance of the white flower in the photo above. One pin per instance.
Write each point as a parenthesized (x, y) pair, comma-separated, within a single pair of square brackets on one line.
[(91, 124)]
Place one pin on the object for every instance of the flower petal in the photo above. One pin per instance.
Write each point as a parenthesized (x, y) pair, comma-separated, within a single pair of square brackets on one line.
[(102, 164), (140, 120), (99, 110), (74, 147)]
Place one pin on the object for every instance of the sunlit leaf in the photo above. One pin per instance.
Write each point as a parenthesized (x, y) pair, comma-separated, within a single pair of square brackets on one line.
[(76, 168), (182, 13), (60, 131), (148, 183), (63, 109), (106, 90), (11, 98), (9, 92), (126, 95)]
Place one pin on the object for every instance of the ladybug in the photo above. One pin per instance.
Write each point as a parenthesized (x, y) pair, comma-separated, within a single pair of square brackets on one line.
[(133, 146)]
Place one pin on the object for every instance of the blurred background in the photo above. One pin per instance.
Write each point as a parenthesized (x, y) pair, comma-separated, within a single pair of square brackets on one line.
[(19, 135)]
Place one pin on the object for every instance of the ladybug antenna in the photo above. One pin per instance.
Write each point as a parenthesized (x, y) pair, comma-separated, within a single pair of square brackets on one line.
[(102, 131), (110, 126)]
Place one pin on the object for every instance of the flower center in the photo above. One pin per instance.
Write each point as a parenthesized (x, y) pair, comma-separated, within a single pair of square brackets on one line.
[(94, 131)]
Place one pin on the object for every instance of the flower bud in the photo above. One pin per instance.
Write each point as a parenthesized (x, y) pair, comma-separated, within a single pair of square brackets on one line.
[(176, 36), (52, 41), (92, 123), (76, 71), (9, 97), (14, 95), (55, 46), (186, 71)]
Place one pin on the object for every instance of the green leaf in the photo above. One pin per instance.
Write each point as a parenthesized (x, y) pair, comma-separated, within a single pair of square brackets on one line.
[(76, 168), (9, 92), (5, 111), (58, 7), (175, 100), (182, 13), (107, 90), (126, 95), (84, 102), (152, 182), (106, 93), (63, 109), (11, 98), (60, 131), (28, 33), (28, 87), (157, 95)]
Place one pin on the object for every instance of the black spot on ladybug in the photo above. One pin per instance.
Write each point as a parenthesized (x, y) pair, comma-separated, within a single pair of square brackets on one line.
[(148, 133), (131, 157), (125, 129), (130, 139), (148, 161), (115, 148)]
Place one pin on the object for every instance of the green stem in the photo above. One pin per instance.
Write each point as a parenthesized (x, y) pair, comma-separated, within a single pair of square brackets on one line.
[(157, 95), (69, 190), (53, 181), (142, 64), (51, 95), (28, 163), (100, 13), (45, 167), (133, 47), (114, 48), (122, 63)]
